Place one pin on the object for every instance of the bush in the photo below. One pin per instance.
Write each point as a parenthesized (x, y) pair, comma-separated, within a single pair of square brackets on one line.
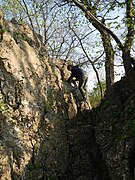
[(95, 95)]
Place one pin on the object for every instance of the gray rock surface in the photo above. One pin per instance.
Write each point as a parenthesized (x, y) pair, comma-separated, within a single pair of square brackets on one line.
[(46, 132)]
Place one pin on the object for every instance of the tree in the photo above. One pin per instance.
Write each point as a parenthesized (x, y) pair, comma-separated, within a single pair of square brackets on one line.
[(129, 23), (86, 6), (91, 62), (95, 96), (42, 16)]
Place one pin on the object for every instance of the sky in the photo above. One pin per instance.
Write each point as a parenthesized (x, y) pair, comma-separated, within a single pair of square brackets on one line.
[(118, 68), (91, 42)]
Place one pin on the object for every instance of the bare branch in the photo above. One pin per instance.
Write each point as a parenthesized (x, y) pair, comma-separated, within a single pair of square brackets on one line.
[(94, 68), (95, 21)]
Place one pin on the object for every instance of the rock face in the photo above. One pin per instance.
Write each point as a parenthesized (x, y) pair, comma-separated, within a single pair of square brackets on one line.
[(35, 106), (115, 131), (45, 132)]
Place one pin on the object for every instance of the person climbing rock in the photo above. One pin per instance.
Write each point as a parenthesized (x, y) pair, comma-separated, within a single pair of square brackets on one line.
[(80, 75)]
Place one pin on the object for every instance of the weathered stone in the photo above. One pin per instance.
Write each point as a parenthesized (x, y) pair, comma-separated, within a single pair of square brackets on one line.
[(33, 117), (47, 131)]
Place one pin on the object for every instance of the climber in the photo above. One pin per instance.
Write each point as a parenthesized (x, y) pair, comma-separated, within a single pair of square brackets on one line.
[(80, 75)]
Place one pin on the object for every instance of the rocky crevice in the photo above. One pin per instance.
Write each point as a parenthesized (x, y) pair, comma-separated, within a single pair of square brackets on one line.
[(85, 158), (46, 132)]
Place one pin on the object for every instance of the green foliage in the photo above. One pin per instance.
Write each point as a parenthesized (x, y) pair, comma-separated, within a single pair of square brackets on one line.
[(48, 106), (24, 37), (52, 178), (95, 95), (32, 166), (129, 128), (54, 23), (11, 8), (1, 31), (53, 74), (121, 4), (105, 105)]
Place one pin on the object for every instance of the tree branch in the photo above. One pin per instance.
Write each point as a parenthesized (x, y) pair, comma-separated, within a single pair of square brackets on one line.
[(95, 21)]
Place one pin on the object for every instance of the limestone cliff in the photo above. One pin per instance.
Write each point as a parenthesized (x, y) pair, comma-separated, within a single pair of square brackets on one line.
[(115, 131), (35, 105), (45, 132)]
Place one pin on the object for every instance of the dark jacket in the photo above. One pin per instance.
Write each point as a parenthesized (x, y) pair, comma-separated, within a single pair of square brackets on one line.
[(77, 72)]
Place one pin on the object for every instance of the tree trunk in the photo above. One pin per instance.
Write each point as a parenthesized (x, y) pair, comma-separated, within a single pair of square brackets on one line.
[(109, 60), (130, 71)]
